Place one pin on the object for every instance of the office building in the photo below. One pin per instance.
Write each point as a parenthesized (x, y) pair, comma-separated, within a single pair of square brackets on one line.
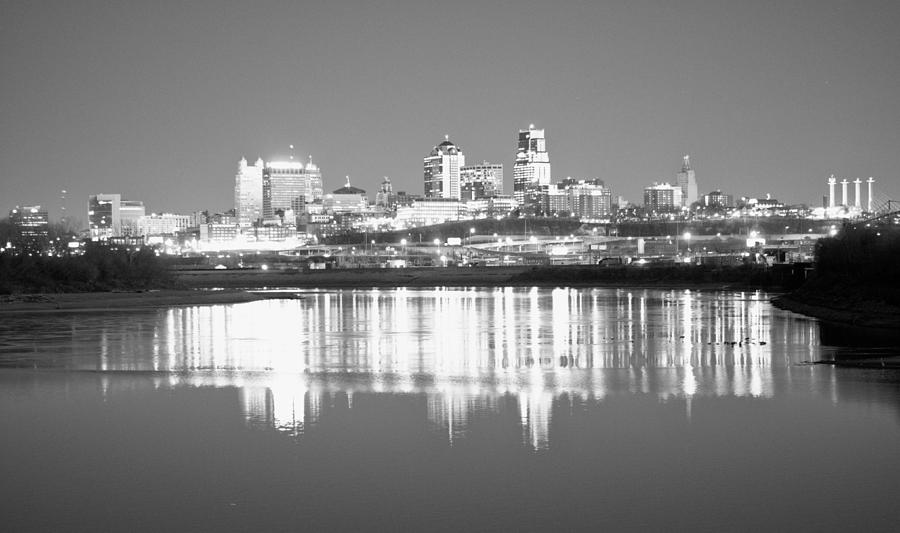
[(483, 180), (32, 227), (662, 198), (531, 170), (163, 224), (130, 213), (248, 192), (442, 171), (289, 185)]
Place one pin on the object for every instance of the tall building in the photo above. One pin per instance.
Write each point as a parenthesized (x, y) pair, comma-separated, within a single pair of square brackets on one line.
[(32, 226), (442, 169), (248, 192), (482, 180), (531, 171), (289, 184), (688, 183)]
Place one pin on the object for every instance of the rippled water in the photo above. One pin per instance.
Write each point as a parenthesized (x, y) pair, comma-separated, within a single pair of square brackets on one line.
[(523, 409)]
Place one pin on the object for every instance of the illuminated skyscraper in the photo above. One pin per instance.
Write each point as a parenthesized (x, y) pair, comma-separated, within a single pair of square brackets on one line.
[(688, 183), (531, 170), (248, 192), (288, 184), (442, 168)]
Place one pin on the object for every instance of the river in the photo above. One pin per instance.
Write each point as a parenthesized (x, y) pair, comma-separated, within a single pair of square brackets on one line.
[(447, 409)]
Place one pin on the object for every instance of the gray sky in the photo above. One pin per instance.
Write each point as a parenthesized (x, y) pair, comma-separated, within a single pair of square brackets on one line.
[(159, 100)]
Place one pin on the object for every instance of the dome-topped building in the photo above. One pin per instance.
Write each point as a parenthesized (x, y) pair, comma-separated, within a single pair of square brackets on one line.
[(442, 167), (347, 199)]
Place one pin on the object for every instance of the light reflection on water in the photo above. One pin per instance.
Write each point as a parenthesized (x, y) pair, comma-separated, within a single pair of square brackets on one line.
[(463, 348), (447, 409)]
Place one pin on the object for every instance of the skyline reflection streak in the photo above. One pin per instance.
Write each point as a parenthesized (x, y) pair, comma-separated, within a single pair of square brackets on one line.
[(463, 350)]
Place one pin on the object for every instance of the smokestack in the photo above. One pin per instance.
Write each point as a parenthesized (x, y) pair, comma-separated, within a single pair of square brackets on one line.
[(857, 200), (831, 182), (844, 183), (869, 182)]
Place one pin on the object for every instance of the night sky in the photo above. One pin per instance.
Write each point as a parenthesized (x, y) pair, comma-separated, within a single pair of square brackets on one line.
[(158, 100)]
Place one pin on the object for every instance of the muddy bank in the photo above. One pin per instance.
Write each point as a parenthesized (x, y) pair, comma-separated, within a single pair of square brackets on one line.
[(100, 301)]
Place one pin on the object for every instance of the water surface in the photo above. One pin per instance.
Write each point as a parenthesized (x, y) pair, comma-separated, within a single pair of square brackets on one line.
[(450, 409)]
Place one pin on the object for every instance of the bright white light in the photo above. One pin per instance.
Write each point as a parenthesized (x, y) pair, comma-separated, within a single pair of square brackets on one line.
[(264, 267), (402, 242)]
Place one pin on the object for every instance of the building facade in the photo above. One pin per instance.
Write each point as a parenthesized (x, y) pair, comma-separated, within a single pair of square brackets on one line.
[(442, 171), (248, 192), (430, 211), (103, 216), (531, 171), (483, 180), (163, 224), (32, 225), (586, 199), (662, 198)]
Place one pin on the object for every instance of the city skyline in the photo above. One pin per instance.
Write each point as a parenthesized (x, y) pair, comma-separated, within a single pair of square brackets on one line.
[(157, 103)]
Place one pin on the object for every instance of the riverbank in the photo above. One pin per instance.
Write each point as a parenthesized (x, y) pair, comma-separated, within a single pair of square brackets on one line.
[(103, 301)]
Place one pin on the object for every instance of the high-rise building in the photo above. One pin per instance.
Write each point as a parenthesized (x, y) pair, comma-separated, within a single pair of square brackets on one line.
[(442, 169), (662, 198), (531, 171), (288, 184), (687, 181), (32, 226), (248, 192), (482, 180)]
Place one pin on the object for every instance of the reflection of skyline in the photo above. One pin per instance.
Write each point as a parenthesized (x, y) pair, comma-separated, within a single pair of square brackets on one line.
[(466, 351), (482, 333)]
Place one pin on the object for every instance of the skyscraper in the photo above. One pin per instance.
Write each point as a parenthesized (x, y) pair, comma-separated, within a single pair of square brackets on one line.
[(531, 170), (688, 183), (248, 192), (442, 168), (287, 184), (103, 216)]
